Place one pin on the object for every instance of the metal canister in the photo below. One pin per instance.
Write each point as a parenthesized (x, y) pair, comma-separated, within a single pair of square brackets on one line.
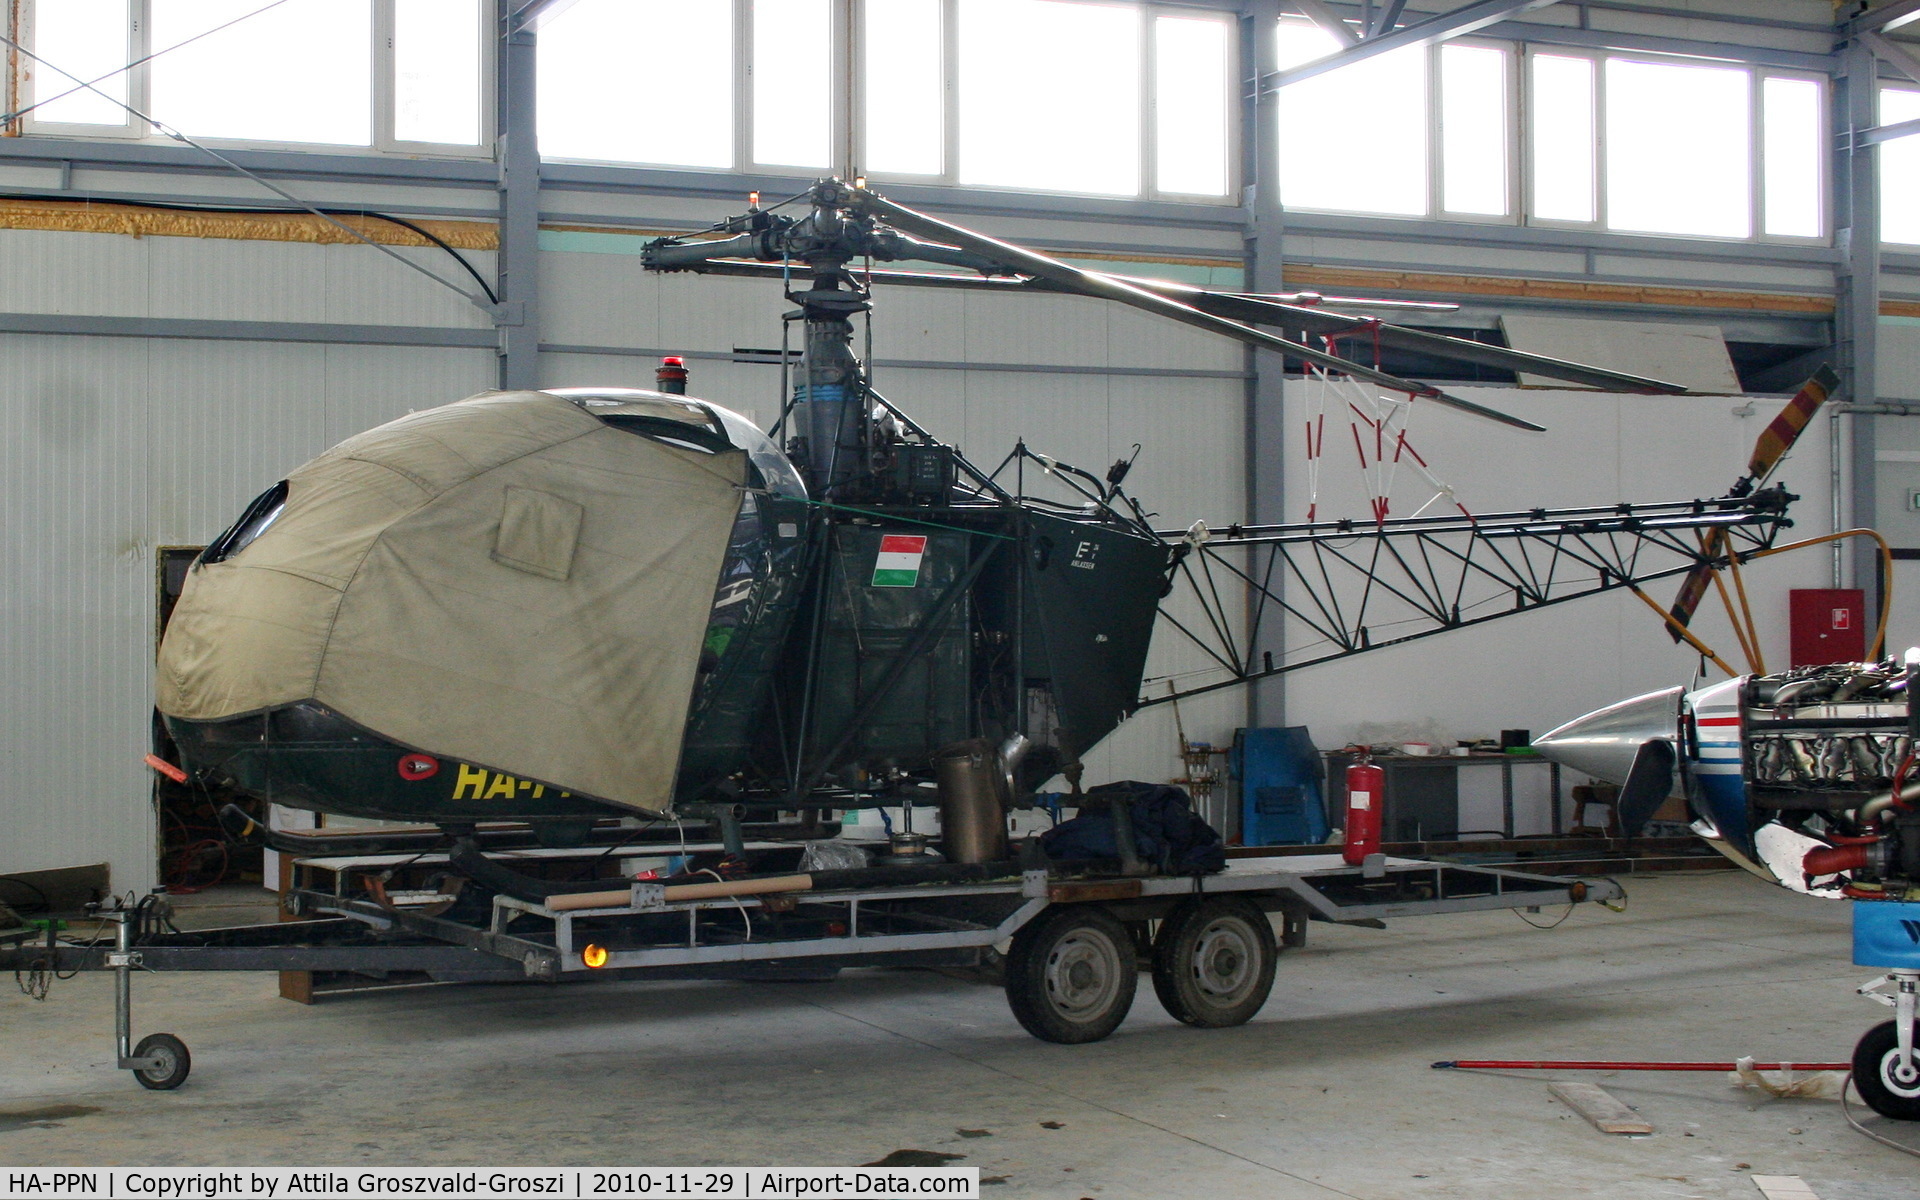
[(973, 818)]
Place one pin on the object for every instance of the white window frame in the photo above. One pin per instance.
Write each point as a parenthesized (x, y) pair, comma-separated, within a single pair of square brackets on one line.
[(381, 102), (1881, 87), (853, 105), (32, 80), (1150, 101), (1756, 132), (745, 152), (385, 91), (1436, 141), (1436, 146), (1525, 158), (1823, 122)]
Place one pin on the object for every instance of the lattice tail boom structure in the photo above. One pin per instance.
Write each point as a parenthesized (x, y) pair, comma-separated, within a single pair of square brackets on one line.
[(1352, 586)]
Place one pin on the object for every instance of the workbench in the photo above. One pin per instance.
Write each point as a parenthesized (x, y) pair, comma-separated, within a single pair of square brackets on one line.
[(1422, 801)]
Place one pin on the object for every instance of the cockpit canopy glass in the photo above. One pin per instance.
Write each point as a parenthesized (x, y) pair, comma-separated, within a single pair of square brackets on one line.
[(692, 425)]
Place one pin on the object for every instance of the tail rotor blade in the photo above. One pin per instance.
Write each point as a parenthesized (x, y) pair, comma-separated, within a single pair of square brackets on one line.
[(1694, 588), (1781, 433), (1774, 442)]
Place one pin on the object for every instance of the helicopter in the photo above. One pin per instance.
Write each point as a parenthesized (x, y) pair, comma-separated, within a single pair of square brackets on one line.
[(559, 606)]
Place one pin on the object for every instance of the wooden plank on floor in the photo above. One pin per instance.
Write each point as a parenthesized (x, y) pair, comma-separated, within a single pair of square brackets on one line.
[(1783, 1187), (1599, 1106)]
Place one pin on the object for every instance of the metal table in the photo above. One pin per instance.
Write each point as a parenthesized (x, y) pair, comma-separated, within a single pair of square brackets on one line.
[(1423, 792)]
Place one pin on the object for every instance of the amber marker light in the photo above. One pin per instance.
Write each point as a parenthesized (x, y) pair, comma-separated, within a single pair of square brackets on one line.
[(593, 955)]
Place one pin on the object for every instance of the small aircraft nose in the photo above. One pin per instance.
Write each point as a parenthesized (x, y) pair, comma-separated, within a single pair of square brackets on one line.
[(1603, 743)]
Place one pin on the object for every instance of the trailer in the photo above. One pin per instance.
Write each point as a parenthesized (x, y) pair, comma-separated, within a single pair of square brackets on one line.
[(1069, 941)]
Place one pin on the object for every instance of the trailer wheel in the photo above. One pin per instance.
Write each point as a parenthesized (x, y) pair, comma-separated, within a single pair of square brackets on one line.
[(1071, 975), (1874, 1061), (171, 1066), (1213, 962)]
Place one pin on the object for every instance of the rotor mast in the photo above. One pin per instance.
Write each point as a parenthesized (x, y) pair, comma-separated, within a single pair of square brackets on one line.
[(830, 405)]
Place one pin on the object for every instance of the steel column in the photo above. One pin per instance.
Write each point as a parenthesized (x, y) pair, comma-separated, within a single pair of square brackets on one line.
[(1857, 278), (1265, 409), (517, 317)]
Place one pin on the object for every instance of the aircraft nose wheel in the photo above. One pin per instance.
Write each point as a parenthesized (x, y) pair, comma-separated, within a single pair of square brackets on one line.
[(1887, 1080)]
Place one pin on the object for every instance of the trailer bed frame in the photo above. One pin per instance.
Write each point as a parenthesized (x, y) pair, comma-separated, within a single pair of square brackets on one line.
[(806, 934)]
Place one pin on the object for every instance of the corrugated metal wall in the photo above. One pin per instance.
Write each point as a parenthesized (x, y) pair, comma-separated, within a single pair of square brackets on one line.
[(113, 447)]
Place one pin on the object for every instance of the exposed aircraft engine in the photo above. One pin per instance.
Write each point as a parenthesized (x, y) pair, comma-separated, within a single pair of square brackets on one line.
[(1805, 776)]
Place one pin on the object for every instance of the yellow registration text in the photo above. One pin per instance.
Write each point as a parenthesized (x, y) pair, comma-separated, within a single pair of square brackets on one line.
[(478, 783)]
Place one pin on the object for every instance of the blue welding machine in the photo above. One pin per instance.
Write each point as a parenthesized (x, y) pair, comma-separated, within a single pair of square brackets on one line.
[(1278, 771)]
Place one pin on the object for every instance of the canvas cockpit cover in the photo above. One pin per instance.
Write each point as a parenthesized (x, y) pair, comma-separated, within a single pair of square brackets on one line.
[(508, 581)]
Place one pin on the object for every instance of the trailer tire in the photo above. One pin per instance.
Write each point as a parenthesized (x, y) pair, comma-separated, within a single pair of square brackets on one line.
[(1873, 1062), (1213, 962), (1071, 975), (174, 1062)]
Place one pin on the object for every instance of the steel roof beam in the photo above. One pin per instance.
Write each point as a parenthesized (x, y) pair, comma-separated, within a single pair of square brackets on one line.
[(1894, 54), (1439, 28), (1881, 18), (535, 13), (1318, 12), (1887, 133), (1388, 18)]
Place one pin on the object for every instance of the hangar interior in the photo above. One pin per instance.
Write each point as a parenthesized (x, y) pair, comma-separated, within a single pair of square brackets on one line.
[(234, 234)]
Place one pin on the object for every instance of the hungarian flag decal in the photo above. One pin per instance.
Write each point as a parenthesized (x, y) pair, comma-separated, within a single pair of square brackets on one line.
[(898, 564)]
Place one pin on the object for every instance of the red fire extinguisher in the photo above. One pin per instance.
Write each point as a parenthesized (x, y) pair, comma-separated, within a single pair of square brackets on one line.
[(1366, 787)]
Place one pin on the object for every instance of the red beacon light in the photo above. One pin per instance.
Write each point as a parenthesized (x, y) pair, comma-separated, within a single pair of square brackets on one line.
[(671, 376)]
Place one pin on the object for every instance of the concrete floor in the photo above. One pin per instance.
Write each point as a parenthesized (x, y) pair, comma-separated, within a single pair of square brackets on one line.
[(1327, 1093)]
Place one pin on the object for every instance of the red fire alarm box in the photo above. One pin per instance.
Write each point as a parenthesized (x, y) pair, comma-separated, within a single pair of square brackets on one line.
[(1827, 625)]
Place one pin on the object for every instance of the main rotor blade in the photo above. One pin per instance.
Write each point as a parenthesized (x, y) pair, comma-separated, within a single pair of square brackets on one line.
[(1106, 287), (1263, 311)]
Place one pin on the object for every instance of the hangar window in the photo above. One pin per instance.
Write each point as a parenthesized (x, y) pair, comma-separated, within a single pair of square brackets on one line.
[(601, 97), (1192, 78), (1792, 175), (1591, 138), (1474, 135), (90, 39), (436, 71), (902, 75), (239, 82), (1691, 176), (1071, 127), (1563, 138), (1135, 99), (1900, 170), (1330, 164), (1608, 151), (1436, 120), (792, 75), (404, 75)]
